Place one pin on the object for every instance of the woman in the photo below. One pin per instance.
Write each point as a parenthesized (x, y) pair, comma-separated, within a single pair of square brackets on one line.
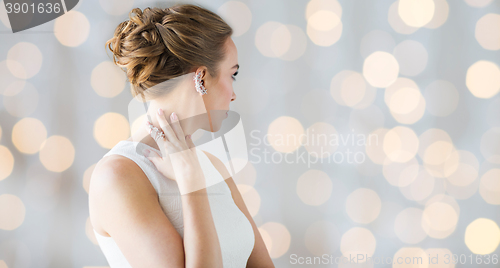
[(158, 209)]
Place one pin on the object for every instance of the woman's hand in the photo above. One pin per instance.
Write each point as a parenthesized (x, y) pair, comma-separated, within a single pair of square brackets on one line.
[(179, 160)]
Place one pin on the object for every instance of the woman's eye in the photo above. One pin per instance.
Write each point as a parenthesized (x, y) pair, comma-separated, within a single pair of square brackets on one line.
[(234, 76)]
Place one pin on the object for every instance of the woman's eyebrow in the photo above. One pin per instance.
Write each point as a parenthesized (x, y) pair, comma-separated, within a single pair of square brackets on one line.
[(236, 66)]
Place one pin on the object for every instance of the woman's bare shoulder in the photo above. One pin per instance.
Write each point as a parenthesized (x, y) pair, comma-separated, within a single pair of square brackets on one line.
[(115, 177), (116, 169)]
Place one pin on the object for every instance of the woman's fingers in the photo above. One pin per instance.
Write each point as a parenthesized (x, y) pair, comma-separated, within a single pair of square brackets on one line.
[(155, 134), (165, 126), (176, 126)]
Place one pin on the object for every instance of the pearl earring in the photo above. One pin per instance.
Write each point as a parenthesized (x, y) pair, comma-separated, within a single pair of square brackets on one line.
[(199, 86)]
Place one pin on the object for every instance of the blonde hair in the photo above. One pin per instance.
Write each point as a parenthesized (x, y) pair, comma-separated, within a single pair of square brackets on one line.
[(187, 37)]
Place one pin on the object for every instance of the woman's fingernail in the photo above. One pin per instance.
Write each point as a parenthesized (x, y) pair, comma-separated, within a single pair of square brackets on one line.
[(160, 111), (173, 116)]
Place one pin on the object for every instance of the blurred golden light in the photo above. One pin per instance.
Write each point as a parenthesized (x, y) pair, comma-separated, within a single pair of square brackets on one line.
[(483, 79), (467, 170), (440, 157), (408, 227), (57, 153), (400, 174), (449, 208), (247, 175), (443, 198), (325, 38), (268, 241), (280, 237), (6, 162), (440, 217), (285, 134), (251, 198), (410, 257), (412, 57), (321, 140), (12, 211), (416, 13), (273, 39), (397, 24), (86, 177), (420, 187), (482, 236), (448, 167), (441, 12), (349, 88), (375, 146), (488, 31), (400, 144), (404, 100), (72, 29), (111, 128), (237, 15), (489, 187), (138, 123), (363, 205), (437, 152), (353, 89), (107, 79), (28, 135), (298, 44), (314, 6), (405, 91), (9, 80), (24, 60), (281, 40), (431, 136), (324, 22), (478, 3), (380, 69), (314, 187), (14, 87), (358, 240), (490, 145), (322, 236)]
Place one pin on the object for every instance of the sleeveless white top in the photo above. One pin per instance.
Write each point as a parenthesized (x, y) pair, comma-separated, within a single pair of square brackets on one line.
[(236, 237)]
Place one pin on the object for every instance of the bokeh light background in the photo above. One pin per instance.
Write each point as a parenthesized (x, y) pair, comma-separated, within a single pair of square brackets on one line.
[(422, 76)]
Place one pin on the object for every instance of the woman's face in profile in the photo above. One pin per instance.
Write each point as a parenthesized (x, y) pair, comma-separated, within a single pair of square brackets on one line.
[(220, 91)]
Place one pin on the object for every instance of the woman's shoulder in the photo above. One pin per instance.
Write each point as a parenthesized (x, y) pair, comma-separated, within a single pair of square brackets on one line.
[(116, 169), (114, 178)]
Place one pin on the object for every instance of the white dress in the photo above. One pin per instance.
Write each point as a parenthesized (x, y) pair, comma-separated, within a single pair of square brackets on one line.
[(235, 232)]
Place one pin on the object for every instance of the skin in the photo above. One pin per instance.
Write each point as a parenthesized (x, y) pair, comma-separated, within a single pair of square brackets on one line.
[(123, 203)]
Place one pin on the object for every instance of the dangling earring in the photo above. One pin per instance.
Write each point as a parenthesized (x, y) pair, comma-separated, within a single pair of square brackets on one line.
[(199, 86)]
